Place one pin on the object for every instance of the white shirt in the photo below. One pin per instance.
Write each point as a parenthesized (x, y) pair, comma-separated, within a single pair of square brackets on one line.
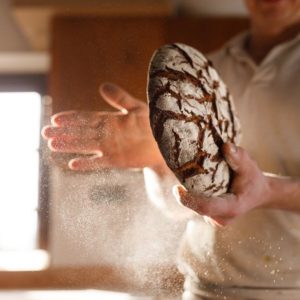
[(261, 248)]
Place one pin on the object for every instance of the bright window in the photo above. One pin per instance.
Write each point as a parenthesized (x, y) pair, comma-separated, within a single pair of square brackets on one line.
[(20, 115)]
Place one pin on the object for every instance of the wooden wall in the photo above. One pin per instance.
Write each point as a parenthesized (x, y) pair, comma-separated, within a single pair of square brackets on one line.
[(88, 51)]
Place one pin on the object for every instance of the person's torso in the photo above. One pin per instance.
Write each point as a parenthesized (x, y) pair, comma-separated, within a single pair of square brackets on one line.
[(261, 248)]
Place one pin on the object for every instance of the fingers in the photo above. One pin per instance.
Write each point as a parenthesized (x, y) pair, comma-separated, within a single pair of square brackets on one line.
[(82, 125), (119, 98), (237, 158), (81, 118), (84, 164), (78, 146), (218, 208), (50, 132), (92, 163), (188, 200), (221, 222), (247, 184), (231, 154)]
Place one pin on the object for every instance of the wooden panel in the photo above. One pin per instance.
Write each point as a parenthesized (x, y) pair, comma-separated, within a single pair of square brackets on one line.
[(88, 51), (106, 278), (34, 16), (161, 3), (205, 34)]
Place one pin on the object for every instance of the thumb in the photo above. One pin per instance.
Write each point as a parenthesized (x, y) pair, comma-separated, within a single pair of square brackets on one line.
[(236, 157), (119, 98)]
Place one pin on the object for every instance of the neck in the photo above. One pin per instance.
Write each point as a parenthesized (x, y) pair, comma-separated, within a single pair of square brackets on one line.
[(262, 41)]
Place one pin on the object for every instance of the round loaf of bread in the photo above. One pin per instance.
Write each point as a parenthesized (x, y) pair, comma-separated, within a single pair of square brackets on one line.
[(191, 116)]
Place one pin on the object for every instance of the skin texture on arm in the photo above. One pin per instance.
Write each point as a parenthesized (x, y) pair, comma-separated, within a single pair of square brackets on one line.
[(250, 189)]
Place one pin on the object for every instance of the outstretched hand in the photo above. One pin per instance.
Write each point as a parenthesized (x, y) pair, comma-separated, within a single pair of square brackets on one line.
[(250, 189), (120, 139)]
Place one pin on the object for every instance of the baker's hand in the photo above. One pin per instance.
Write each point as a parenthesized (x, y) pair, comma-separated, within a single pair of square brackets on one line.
[(250, 189), (120, 139)]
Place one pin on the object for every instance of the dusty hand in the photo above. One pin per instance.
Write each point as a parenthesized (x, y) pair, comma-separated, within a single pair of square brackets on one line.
[(250, 189), (105, 139)]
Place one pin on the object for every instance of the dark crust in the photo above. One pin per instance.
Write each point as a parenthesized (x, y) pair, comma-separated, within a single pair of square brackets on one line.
[(175, 75), (235, 133), (184, 54), (158, 118)]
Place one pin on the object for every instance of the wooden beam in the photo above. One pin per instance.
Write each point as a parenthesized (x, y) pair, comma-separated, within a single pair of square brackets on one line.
[(34, 17)]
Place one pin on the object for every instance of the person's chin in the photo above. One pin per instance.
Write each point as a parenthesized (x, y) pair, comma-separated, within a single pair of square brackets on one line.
[(272, 2), (273, 9), (273, 5)]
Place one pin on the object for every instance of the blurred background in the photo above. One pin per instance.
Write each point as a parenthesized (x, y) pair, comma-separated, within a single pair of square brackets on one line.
[(65, 235)]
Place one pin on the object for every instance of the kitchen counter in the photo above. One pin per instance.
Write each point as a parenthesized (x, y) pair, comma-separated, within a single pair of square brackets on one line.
[(102, 278), (71, 295)]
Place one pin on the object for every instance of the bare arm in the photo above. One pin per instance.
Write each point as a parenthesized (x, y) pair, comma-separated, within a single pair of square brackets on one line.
[(285, 193)]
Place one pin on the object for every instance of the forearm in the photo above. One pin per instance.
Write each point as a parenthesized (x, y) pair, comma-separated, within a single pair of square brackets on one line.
[(284, 193)]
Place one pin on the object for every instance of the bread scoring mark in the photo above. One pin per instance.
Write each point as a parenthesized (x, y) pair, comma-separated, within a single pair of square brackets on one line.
[(215, 84), (184, 54), (177, 145), (215, 171), (232, 117), (191, 168), (176, 75), (213, 188)]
